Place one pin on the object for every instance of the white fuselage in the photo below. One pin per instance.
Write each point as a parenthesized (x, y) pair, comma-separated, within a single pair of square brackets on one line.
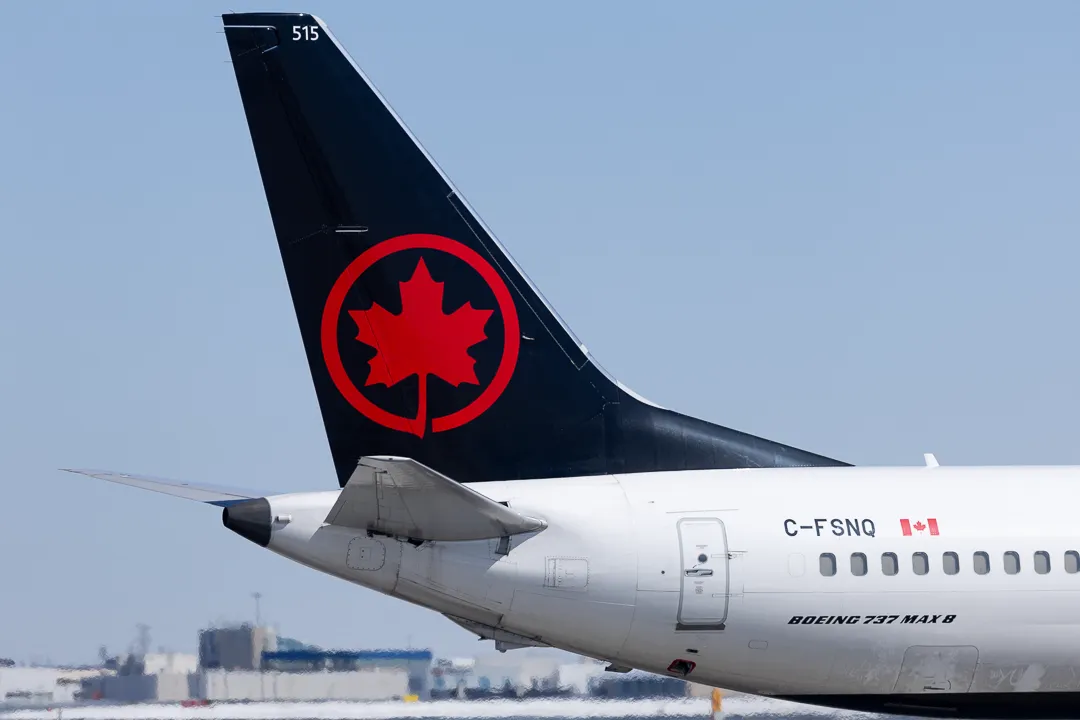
[(618, 575)]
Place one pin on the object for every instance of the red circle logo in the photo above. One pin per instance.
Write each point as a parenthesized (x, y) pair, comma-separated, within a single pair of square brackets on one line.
[(422, 340)]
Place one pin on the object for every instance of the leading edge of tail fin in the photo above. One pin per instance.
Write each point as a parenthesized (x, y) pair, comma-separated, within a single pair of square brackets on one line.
[(425, 340)]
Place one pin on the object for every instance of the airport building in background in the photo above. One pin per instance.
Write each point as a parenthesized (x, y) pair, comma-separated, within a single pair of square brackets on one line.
[(248, 663)]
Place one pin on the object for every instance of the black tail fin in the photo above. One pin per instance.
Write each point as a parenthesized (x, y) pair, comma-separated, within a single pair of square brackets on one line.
[(425, 340)]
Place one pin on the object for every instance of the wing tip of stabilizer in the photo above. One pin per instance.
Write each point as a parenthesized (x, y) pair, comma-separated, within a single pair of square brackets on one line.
[(208, 494)]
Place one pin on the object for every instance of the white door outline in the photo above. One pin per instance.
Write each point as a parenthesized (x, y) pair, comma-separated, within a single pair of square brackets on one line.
[(937, 669), (703, 590)]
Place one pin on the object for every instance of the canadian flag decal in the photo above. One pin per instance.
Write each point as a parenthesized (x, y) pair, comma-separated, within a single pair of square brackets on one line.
[(918, 527)]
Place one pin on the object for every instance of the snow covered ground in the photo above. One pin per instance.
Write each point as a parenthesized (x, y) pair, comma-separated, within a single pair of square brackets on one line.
[(555, 709)]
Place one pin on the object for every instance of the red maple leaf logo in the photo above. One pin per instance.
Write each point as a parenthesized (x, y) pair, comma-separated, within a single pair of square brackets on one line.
[(422, 340), (919, 526)]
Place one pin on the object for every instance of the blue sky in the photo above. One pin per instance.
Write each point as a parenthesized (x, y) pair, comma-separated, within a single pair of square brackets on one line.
[(852, 228)]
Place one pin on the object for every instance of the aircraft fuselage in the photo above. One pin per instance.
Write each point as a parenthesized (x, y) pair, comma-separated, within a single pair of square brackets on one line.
[(794, 582)]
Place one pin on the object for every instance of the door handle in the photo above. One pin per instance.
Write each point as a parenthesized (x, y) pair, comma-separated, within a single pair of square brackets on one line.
[(699, 572)]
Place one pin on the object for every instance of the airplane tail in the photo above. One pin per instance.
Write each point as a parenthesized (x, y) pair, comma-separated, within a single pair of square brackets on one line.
[(425, 340)]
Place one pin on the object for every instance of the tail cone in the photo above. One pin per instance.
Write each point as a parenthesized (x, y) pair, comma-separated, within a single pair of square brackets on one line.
[(249, 519)]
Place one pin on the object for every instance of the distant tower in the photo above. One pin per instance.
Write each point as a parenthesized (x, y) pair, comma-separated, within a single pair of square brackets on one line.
[(142, 644), (258, 614)]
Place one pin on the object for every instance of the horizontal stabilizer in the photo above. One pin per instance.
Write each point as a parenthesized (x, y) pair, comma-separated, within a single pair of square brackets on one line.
[(210, 494), (402, 498)]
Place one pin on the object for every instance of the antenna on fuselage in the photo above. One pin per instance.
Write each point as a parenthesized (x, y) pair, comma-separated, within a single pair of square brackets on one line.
[(931, 461)]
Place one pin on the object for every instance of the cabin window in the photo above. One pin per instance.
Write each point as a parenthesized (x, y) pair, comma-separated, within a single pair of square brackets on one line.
[(950, 561), (858, 564), (982, 563), (828, 564), (1042, 562), (1012, 562), (920, 563), (889, 564), (1072, 561)]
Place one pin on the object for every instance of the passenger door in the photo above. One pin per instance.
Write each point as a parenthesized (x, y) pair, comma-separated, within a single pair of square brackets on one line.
[(703, 594)]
